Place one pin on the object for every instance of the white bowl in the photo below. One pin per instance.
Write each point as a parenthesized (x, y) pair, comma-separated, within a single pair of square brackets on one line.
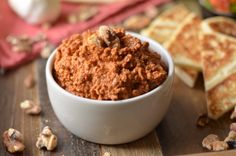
[(112, 122)]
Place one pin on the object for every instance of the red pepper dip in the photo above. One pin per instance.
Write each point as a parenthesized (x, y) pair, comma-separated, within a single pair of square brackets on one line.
[(107, 64)]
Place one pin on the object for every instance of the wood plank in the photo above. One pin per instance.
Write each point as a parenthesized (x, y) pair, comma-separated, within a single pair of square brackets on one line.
[(68, 143), (223, 153), (13, 92), (178, 132), (147, 146)]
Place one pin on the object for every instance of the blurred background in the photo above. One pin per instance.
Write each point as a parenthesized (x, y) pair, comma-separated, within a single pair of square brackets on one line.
[(40, 25)]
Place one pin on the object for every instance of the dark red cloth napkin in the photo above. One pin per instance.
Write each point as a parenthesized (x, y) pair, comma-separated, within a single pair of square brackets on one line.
[(11, 24)]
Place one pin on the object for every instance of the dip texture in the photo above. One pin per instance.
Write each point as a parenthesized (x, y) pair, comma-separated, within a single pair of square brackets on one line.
[(107, 64)]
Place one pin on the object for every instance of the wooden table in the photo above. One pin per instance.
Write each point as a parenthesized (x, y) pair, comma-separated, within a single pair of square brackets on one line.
[(177, 134)]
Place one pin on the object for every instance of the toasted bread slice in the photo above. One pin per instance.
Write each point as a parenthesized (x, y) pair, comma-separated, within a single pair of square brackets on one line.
[(219, 65), (218, 55), (187, 75), (184, 45), (161, 30), (164, 25), (222, 98), (220, 25), (218, 59)]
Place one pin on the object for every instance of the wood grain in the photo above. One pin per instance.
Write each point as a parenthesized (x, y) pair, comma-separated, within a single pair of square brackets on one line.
[(13, 92), (223, 153), (147, 146)]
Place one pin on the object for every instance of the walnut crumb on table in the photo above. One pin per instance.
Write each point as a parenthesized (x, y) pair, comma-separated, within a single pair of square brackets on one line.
[(202, 120), (208, 141), (30, 107), (219, 146), (213, 143), (13, 141), (47, 139)]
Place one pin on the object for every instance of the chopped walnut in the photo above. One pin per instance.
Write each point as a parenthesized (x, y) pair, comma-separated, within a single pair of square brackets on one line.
[(233, 127), (30, 107), (231, 136), (202, 120), (108, 36), (29, 81), (24, 43), (20, 43), (94, 39), (137, 22), (12, 140), (84, 14), (46, 139), (87, 13), (219, 146), (208, 141), (233, 115)]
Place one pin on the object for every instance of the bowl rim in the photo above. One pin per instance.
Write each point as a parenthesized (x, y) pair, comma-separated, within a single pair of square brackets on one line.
[(162, 51)]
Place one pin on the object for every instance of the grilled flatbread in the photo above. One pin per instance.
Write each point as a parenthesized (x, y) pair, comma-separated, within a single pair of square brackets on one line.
[(184, 45), (218, 55), (220, 25), (164, 25), (222, 98), (219, 65), (187, 75)]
